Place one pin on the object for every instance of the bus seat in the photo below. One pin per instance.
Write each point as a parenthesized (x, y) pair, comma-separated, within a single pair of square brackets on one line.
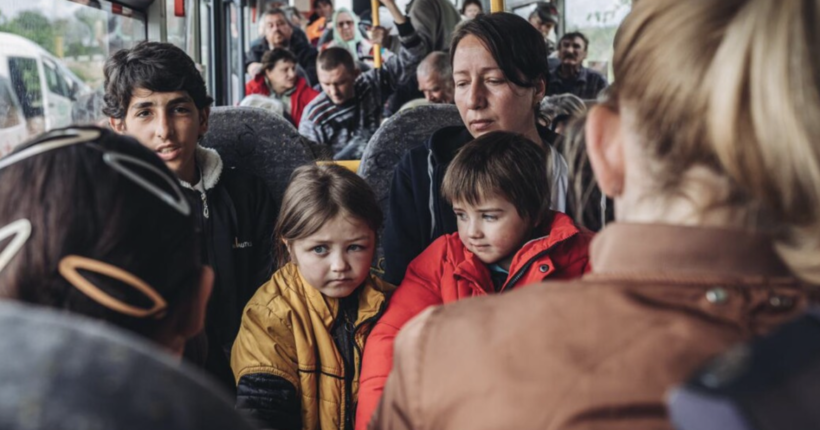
[(62, 371), (352, 165), (260, 143), (398, 134)]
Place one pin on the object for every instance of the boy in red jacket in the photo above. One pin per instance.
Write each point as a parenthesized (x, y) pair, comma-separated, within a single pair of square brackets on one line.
[(278, 79), (507, 238)]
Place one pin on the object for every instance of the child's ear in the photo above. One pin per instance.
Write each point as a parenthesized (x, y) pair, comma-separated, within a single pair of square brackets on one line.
[(192, 315)]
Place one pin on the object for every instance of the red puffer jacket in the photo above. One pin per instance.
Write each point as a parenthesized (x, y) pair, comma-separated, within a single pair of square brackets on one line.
[(446, 272), (298, 100)]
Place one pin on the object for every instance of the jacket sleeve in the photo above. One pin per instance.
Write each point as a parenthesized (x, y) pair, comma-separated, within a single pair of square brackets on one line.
[(264, 365), (410, 55), (309, 129), (399, 408), (419, 290), (305, 54), (404, 238)]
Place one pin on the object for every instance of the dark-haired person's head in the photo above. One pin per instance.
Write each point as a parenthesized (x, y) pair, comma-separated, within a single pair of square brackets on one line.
[(99, 227), (498, 187), (276, 28), (337, 74), (279, 66), (324, 8), (544, 18), (572, 49), (155, 93), (500, 73), (472, 8)]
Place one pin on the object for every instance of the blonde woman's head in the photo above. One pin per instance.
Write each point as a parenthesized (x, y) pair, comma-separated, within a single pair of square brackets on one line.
[(712, 120)]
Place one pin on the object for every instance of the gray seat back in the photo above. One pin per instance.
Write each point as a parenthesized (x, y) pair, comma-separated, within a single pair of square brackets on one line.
[(260, 143), (401, 132), (65, 372)]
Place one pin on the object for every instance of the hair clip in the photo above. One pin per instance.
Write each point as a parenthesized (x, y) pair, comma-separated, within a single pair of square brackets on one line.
[(69, 266), (118, 162), (20, 231)]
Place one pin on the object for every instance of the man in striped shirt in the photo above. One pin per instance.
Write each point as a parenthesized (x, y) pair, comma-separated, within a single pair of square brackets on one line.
[(349, 111)]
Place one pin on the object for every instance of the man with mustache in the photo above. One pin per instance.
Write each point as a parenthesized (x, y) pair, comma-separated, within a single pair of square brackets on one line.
[(279, 33), (571, 76)]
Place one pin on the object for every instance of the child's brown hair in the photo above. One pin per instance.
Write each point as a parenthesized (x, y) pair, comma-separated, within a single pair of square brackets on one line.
[(317, 194), (501, 164)]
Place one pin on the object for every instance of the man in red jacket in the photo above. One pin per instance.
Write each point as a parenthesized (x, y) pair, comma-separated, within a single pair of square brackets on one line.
[(278, 79), (507, 238)]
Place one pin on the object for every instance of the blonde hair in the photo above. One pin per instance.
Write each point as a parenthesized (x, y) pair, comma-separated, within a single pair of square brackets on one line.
[(732, 85), (315, 195)]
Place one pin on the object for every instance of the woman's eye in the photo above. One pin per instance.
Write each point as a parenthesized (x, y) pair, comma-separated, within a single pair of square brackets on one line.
[(356, 248), (495, 81), (321, 249), (461, 84)]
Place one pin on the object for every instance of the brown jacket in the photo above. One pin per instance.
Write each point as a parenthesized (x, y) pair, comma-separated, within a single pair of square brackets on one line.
[(597, 353)]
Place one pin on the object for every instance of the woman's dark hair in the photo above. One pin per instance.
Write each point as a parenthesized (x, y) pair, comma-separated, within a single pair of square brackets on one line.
[(154, 66), (517, 47), (78, 204), (469, 2), (276, 55)]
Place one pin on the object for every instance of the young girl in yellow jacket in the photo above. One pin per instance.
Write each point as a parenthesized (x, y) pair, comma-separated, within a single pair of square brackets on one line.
[(296, 359)]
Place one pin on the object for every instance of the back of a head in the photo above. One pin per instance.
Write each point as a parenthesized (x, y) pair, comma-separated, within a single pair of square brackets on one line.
[(437, 62), (154, 66), (101, 197), (517, 47), (731, 86), (500, 164), (263, 102), (315, 195), (61, 372)]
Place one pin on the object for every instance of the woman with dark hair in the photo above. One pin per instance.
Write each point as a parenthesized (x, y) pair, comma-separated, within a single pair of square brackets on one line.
[(472, 8), (500, 73), (100, 227)]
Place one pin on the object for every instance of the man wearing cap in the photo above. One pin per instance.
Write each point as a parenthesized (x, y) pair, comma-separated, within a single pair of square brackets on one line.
[(571, 76), (545, 19)]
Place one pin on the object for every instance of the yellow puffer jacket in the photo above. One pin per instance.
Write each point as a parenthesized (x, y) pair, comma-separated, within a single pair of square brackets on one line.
[(285, 358)]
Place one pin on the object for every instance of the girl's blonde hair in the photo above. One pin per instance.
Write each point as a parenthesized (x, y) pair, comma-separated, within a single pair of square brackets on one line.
[(315, 195), (732, 85)]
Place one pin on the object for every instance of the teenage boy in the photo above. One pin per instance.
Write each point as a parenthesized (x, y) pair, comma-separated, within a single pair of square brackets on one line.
[(155, 93), (507, 238), (278, 80)]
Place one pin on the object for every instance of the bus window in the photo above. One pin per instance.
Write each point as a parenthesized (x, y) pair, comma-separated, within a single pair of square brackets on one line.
[(53, 52), (598, 20)]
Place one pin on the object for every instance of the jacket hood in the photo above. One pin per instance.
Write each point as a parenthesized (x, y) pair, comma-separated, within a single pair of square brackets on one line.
[(444, 142), (210, 166)]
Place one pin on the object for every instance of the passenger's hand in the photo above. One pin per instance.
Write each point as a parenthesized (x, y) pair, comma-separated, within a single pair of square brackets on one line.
[(378, 35), (398, 17), (254, 69)]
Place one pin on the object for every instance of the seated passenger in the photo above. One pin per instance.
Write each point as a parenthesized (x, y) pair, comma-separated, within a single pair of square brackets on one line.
[(99, 227), (346, 34), (435, 77), (472, 8), (278, 80), (349, 111), (500, 72), (507, 238), (298, 353), (280, 33), (322, 15), (155, 93), (571, 76), (559, 110), (713, 161), (586, 204)]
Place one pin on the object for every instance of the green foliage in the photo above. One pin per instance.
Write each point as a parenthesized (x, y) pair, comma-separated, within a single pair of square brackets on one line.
[(34, 26)]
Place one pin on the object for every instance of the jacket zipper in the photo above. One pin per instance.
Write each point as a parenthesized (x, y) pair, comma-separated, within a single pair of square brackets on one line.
[(205, 212), (520, 273)]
